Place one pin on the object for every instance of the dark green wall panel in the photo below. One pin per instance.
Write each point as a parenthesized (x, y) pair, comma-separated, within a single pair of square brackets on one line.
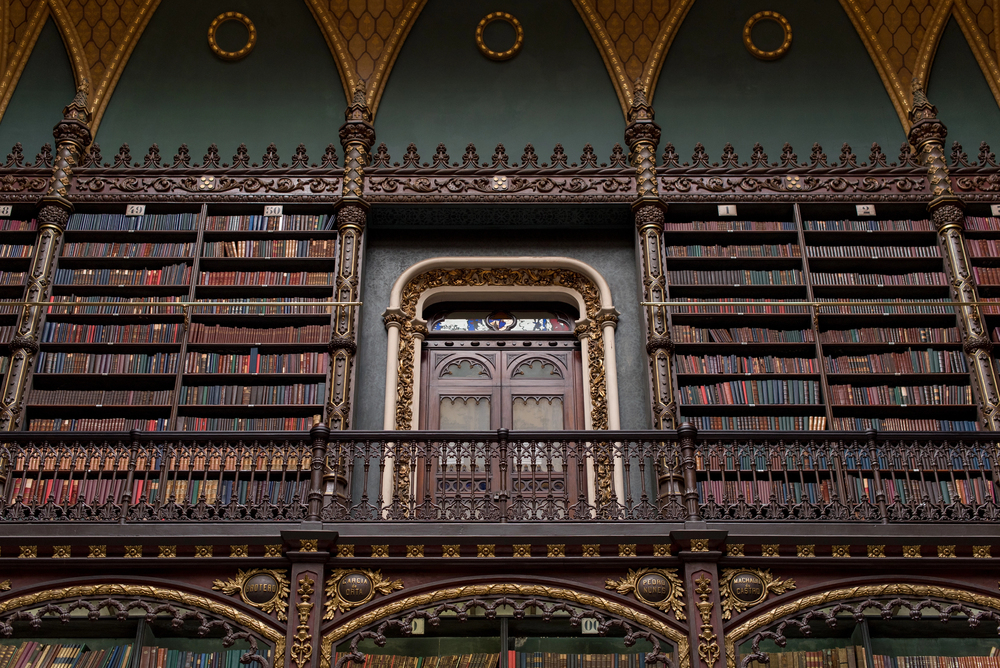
[(826, 89), (46, 86), (174, 90), (557, 90), (963, 98)]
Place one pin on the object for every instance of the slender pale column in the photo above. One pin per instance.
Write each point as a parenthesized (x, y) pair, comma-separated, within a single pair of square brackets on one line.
[(72, 136), (357, 136), (927, 135)]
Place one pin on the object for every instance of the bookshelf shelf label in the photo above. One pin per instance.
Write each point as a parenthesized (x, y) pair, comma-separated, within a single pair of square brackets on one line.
[(589, 626), (6, 210), (995, 209), (727, 210), (135, 210), (866, 209), (272, 210)]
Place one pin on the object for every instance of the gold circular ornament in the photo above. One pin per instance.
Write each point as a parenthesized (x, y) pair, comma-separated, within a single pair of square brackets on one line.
[(225, 17), (506, 18), (786, 29)]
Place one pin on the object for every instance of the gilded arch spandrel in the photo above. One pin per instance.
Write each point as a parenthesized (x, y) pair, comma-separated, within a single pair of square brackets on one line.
[(365, 42), (901, 37), (22, 22), (980, 23), (633, 46)]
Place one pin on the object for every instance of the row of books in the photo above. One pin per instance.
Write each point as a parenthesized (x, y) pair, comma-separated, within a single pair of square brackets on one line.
[(911, 490), (11, 225), (758, 422), (886, 661), (49, 362), (275, 306), (298, 223), (836, 657), (982, 223), (15, 250), (64, 491), (161, 657), (892, 335), (243, 490), (244, 424), (271, 248), (902, 424), (245, 395), (478, 660), (690, 334), (753, 392), (97, 424), (100, 397), (911, 361), (738, 307), (873, 252), (43, 655), (884, 395), (12, 277), (116, 222), (82, 305), (868, 225), (987, 275), (983, 247), (126, 250), (202, 333), (266, 278), (760, 491), (885, 306), (68, 332), (737, 364), (257, 363), (912, 278), (736, 250), (733, 277), (173, 274), (732, 226)]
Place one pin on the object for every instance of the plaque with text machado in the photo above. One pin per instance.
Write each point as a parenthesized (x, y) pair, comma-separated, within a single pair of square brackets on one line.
[(743, 588)]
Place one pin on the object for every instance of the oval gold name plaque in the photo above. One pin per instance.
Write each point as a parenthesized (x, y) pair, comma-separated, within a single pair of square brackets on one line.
[(748, 588), (355, 588), (260, 589), (653, 588)]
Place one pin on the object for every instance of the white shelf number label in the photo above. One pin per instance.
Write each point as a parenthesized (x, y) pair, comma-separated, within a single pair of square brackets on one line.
[(994, 209), (589, 626), (5, 210), (727, 209), (866, 209), (272, 210), (135, 210)]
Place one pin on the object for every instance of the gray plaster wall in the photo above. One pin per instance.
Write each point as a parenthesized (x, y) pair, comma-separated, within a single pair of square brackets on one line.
[(390, 250)]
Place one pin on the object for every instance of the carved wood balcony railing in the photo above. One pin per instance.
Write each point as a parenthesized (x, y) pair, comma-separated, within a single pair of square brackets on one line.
[(499, 477)]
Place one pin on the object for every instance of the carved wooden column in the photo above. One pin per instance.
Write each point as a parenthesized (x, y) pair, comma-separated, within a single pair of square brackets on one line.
[(72, 136), (927, 135), (643, 136), (357, 136)]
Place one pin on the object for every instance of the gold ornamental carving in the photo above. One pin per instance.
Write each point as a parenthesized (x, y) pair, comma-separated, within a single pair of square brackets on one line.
[(756, 584), (708, 642), (737, 635), (97, 552), (263, 588), (244, 51), (5, 585), (505, 589), (187, 598), (660, 588), (518, 38), (786, 35), (347, 589), (302, 640), (981, 551)]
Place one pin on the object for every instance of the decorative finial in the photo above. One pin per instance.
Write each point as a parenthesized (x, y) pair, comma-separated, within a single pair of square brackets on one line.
[(359, 93), (919, 97), (638, 93)]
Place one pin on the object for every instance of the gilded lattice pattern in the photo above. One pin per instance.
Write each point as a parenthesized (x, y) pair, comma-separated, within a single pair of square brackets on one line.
[(980, 21), (364, 37)]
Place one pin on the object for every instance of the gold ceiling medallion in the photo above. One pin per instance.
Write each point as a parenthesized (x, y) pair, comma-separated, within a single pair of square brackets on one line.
[(742, 588), (347, 589), (506, 18), (657, 587), (262, 588), (786, 41), (226, 17)]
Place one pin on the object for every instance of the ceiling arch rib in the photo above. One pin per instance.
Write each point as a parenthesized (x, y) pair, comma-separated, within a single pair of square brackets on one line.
[(365, 37), (22, 23), (633, 39)]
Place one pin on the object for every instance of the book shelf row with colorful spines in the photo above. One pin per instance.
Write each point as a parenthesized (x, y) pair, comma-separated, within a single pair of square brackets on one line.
[(66, 332), (94, 491), (100, 397), (243, 491), (836, 657), (885, 395), (985, 248), (188, 423), (734, 251), (515, 659), (44, 655), (732, 226), (15, 250), (11, 225), (266, 278), (974, 490), (294, 223), (116, 222), (911, 361), (886, 306), (244, 395), (982, 223), (271, 248), (97, 424), (284, 306), (757, 422), (737, 364), (887, 661), (54, 362), (752, 392), (127, 250), (690, 334), (257, 363), (174, 274), (987, 276), (893, 335), (878, 280), (761, 490), (12, 277), (873, 252), (161, 657), (868, 226), (204, 333), (902, 424), (733, 277), (85, 305), (477, 660), (739, 306)]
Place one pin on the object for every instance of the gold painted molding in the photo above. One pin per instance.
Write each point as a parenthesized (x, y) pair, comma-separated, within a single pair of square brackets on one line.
[(897, 68), (187, 598), (359, 58), (741, 632), (683, 659), (628, 60)]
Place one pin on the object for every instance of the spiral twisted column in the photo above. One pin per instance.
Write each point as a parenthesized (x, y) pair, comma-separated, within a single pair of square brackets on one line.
[(927, 135), (72, 135)]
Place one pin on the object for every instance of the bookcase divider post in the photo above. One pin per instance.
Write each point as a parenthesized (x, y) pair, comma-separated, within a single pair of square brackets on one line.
[(883, 512), (688, 434)]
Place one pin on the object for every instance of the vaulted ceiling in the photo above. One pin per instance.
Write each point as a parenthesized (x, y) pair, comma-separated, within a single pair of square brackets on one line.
[(365, 37)]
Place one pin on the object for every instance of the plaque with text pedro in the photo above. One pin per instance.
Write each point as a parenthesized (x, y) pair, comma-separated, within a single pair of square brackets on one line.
[(653, 588)]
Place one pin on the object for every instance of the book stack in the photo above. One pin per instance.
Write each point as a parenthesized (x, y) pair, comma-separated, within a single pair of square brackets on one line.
[(266, 278), (884, 395), (64, 332), (250, 395), (114, 222), (42, 655), (837, 657), (265, 223), (161, 657), (126, 250), (174, 274), (203, 333), (118, 363), (271, 248), (911, 361), (257, 363), (734, 251)]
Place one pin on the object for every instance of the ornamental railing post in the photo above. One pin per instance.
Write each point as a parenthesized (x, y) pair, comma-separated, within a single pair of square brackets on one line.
[(883, 511), (320, 434), (688, 435), (504, 494)]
